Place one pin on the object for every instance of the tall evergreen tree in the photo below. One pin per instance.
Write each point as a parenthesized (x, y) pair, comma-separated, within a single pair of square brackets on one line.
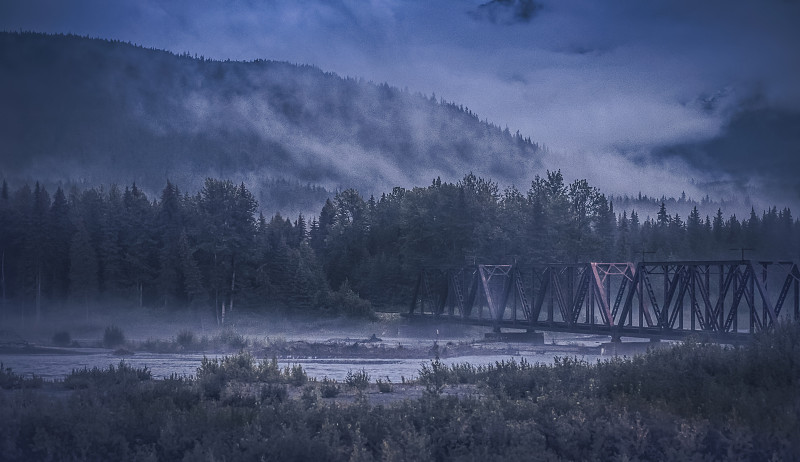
[(61, 231), (695, 233), (83, 268), (5, 242), (196, 294)]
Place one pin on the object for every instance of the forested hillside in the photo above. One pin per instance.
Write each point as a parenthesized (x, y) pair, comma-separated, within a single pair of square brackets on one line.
[(120, 247), (99, 112)]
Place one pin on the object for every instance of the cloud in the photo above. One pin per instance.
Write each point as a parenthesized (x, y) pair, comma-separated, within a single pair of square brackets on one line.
[(506, 12), (613, 80)]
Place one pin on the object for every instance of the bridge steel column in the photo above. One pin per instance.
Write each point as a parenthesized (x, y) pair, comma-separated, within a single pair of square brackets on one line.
[(617, 299)]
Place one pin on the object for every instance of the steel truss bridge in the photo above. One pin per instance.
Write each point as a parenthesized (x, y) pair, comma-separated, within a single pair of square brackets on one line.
[(722, 300)]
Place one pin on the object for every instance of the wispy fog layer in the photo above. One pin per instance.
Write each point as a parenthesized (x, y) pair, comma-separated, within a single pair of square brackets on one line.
[(101, 111), (645, 90)]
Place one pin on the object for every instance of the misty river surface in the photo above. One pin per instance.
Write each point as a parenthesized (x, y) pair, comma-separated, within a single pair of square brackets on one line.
[(57, 366)]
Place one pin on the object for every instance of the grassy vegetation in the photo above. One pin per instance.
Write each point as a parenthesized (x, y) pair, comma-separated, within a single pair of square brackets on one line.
[(692, 402), (11, 381), (113, 337)]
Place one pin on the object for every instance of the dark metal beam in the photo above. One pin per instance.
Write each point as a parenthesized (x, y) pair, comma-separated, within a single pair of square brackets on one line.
[(577, 289)]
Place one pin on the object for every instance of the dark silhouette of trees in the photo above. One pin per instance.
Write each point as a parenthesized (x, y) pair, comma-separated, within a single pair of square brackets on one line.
[(211, 250)]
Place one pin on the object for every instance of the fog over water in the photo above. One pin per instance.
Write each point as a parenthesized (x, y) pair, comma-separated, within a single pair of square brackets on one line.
[(396, 338)]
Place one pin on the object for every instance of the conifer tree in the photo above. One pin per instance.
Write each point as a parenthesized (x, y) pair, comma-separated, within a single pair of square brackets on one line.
[(83, 268), (61, 231), (196, 294)]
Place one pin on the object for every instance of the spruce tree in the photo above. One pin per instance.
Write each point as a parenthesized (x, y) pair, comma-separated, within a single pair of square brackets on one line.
[(83, 268)]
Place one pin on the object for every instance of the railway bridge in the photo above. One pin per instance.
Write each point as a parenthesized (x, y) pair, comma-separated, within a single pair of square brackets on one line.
[(725, 301)]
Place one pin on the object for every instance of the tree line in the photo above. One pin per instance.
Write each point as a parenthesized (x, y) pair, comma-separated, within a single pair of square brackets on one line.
[(96, 247)]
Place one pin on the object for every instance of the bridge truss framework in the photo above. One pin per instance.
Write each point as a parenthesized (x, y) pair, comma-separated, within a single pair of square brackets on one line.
[(728, 300)]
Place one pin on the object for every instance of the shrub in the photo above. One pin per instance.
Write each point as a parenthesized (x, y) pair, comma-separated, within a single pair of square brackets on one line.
[(330, 388), (384, 387), (211, 378), (62, 338), (273, 393), (232, 339), (310, 397), (185, 338), (238, 396), (214, 373), (113, 337), (10, 380), (268, 371), (358, 379), (123, 374), (347, 302), (295, 375), (434, 377), (175, 389)]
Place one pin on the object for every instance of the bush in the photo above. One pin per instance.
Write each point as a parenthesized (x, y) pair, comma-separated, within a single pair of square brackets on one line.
[(62, 338), (232, 339), (273, 393), (185, 339), (238, 396), (9, 380), (358, 379), (384, 387), (691, 402), (241, 367), (295, 375), (434, 377), (309, 397), (330, 388), (268, 371), (123, 374), (347, 302), (113, 337), (213, 374)]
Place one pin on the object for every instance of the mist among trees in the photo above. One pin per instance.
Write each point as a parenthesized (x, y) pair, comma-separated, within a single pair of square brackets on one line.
[(99, 112), (98, 247)]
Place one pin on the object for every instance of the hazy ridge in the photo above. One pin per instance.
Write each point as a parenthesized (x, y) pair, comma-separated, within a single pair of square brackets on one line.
[(96, 111)]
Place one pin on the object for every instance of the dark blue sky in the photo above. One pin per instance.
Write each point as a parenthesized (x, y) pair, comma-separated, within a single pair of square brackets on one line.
[(609, 80)]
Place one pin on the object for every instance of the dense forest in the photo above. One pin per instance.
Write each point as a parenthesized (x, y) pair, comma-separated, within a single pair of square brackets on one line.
[(116, 246)]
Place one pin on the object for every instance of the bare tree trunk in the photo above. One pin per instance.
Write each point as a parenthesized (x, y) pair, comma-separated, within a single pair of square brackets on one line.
[(216, 305), (39, 296), (3, 279), (233, 282), (216, 290)]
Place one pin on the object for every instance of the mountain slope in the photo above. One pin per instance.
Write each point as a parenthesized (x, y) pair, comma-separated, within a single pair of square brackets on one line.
[(99, 111)]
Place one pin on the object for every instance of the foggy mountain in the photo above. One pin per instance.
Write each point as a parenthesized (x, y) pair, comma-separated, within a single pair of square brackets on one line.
[(95, 111), (759, 147)]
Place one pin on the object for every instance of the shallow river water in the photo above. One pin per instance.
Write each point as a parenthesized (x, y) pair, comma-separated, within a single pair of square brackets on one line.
[(57, 366), (392, 334)]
